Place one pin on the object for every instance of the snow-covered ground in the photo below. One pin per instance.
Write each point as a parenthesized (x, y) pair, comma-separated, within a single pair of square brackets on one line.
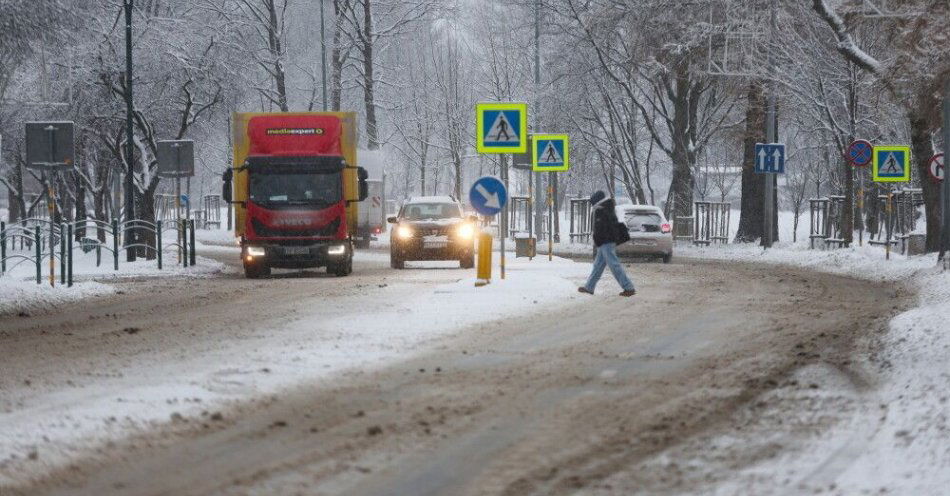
[(909, 452), (314, 345), (19, 291)]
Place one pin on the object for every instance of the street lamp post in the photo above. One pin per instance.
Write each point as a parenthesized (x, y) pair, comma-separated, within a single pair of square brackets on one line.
[(129, 145), (323, 56)]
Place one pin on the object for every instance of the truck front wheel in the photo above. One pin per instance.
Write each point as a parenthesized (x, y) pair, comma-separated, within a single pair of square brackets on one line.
[(341, 269), (256, 270)]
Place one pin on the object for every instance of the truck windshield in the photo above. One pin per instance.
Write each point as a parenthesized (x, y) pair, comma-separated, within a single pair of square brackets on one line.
[(426, 211), (295, 189)]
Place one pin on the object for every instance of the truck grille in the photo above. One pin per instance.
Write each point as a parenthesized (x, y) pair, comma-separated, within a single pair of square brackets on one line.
[(268, 232)]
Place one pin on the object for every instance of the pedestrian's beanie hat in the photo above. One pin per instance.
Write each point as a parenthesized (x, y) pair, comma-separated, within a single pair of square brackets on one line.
[(597, 197)]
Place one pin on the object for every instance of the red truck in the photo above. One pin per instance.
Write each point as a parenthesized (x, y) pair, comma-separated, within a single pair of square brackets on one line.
[(296, 190)]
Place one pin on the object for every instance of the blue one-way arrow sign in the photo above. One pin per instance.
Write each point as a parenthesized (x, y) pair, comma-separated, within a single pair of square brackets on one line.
[(770, 158), (488, 195)]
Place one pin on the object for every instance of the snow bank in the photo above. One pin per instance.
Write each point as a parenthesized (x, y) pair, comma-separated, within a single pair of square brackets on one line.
[(907, 452), (862, 262), (19, 291), (18, 296), (910, 452)]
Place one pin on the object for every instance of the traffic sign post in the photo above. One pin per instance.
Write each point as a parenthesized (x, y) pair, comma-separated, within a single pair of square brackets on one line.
[(50, 148), (860, 154), (891, 164), (488, 197), (501, 127), (550, 153), (176, 158), (769, 160)]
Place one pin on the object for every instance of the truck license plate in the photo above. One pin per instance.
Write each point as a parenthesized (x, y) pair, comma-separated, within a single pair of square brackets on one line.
[(296, 250)]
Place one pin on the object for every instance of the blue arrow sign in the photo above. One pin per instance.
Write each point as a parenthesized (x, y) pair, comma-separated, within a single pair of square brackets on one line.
[(770, 158), (488, 195)]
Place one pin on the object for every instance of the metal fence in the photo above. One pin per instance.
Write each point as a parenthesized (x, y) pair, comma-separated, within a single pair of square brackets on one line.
[(37, 240)]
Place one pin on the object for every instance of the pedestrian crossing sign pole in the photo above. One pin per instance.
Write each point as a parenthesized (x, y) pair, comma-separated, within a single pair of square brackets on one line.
[(501, 127), (550, 153), (891, 164)]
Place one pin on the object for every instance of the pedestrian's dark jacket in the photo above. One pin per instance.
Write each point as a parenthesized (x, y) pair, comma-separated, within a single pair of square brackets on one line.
[(605, 222)]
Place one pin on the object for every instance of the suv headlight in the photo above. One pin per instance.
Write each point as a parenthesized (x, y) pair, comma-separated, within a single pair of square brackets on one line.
[(465, 231), (404, 232)]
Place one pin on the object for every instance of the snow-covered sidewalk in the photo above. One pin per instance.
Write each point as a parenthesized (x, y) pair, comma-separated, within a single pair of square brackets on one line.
[(19, 291), (909, 453)]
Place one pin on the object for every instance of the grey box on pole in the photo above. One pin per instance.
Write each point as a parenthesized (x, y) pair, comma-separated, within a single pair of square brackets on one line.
[(176, 158), (49, 145), (523, 161)]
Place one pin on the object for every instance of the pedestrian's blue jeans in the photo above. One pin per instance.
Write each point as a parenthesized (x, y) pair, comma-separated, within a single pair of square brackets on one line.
[(607, 257)]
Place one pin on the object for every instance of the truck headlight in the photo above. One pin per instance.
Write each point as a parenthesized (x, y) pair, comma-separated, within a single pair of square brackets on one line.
[(336, 250), (255, 251), (466, 231), (404, 232)]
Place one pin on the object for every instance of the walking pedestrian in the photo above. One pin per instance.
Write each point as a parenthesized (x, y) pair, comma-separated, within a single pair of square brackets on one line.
[(608, 233)]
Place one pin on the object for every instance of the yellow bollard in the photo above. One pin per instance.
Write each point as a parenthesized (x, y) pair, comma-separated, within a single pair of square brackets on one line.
[(483, 272)]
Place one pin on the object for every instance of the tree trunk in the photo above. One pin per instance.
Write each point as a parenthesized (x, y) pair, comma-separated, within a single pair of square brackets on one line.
[(13, 214), (922, 148), (80, 216), (273, 34), (372, 133), (681, 186), (336, 58), (751, 223), (99, 211)]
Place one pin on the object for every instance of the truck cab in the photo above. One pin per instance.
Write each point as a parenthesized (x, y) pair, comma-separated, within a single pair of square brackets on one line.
[(296, 191)]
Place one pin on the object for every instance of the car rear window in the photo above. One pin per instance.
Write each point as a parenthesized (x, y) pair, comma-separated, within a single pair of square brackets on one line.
[(642, 221)]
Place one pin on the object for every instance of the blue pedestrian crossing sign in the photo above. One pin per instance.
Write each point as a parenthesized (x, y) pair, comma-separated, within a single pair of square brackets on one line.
[(501, 127), (488, 195), (550, 152), (770, 158), (891, 164)]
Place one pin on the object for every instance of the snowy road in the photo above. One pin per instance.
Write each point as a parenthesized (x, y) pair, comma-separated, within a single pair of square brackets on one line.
[(410, 383)]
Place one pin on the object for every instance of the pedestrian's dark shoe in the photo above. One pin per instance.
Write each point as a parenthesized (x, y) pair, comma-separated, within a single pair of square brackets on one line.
[(628, 293), (582, 289)]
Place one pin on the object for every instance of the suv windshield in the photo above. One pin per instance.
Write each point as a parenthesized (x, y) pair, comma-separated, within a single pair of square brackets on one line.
[(296, 189), (431, 211), (642, 221)]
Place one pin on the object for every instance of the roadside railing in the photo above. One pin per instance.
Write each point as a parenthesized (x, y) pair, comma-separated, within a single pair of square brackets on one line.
[(41, 242)]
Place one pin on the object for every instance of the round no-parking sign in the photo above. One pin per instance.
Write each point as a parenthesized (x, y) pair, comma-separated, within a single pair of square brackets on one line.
[(860, 153), (937, 170)]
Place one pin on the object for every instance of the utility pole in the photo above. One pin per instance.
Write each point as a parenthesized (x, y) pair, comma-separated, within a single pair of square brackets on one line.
[(323, 55), (538, 211), (129, 145), (768, 232)]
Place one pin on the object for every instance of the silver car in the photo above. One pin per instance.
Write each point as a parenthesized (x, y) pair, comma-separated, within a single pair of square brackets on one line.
[(651, 234)]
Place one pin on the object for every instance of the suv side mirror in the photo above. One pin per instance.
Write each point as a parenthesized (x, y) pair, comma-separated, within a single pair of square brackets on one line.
[(226, 187), (392, 220), (364, 187)]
